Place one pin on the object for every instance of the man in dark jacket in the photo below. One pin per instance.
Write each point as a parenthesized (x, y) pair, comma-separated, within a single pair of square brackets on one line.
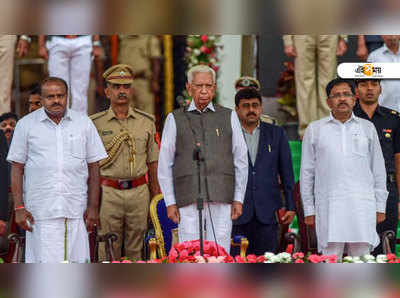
[(3, 192), (269, 159)]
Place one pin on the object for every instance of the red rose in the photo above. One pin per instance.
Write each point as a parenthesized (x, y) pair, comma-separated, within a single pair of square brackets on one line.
[(298, 255), (314, 259), (205, 50), (239, 259), (204, 38), (229, 259), (289, 248), (252, 259), (260, 259), (391, 257), (299, 261)]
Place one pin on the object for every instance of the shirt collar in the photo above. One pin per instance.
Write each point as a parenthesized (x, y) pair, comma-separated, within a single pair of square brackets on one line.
[(192, 107), (111, 114), (256, 129), (352, 118), (386, 50), (43, 115), (378, 109)]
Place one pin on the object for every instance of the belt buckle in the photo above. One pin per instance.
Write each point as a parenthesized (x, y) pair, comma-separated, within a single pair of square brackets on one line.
[(124, 185)]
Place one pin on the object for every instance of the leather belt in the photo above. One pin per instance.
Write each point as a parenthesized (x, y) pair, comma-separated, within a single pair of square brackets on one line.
[(123, 184), (70, 36), (391, 178)]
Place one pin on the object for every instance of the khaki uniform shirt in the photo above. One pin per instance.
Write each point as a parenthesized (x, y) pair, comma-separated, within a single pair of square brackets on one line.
[(137, 50), (140, 126)]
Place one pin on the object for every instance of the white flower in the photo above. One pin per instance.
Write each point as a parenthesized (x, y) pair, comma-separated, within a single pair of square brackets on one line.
[(381, 258), (284, 257), (211, 37), (105, 262), (268, 255), (213, 61), (368, 257), (358, 262), (275, 259), (348, 259), (267, 262), (371, 262), (356, 259), (196, 52), (194, 60)]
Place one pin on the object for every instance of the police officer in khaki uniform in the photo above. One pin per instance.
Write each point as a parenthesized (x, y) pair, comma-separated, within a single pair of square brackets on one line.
[(143, 53), (250, 82), (129, 138), (315, 65)]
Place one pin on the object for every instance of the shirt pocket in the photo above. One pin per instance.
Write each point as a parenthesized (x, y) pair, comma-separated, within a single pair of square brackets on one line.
[(77, 147), (360, 145), (141, 144)]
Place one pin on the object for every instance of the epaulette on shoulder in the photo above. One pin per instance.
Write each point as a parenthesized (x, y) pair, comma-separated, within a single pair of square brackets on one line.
[(97, 115), (151, 117)]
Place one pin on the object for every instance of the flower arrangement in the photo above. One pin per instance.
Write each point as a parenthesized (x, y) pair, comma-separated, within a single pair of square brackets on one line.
[(286, 90), (189, 252), (299, 258), (202, 49)]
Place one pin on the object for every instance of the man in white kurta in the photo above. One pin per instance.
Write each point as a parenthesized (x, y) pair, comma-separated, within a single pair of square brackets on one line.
[(217, 215), (55, 151), (343, 177)]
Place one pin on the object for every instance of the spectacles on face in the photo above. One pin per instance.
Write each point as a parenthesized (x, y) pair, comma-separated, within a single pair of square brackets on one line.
[(339, 95)]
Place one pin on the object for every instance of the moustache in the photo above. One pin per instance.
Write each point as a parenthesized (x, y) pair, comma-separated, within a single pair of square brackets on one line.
[(122, 95), (251, 114), (55, 105)]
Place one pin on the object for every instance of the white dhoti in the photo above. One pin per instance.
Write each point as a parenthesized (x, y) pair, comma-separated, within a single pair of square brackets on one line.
[(70, 59), (57, 240), (188, 228)]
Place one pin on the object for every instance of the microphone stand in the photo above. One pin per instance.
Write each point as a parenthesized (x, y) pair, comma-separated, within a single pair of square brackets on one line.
[(200, 203)]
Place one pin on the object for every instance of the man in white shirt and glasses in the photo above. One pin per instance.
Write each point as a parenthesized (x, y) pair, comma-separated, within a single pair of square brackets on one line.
[(55, 178), (343, 177), (216, 132)]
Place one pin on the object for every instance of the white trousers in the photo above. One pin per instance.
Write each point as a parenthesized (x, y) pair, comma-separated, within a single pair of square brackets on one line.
[(54, 240), (355, 249), (70, 59), (188, 228), (7, 50)]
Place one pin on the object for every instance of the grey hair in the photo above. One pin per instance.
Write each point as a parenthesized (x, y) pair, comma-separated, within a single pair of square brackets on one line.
[(200, 68)]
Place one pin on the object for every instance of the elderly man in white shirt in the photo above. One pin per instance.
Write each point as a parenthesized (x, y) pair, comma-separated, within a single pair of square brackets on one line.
[(388, 53), (343, 177), (216, 131), (55, 178)]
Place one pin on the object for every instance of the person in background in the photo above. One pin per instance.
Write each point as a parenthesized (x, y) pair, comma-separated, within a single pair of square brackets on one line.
[(8, 121), (34, 101), (269, 158), (387, 123)]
